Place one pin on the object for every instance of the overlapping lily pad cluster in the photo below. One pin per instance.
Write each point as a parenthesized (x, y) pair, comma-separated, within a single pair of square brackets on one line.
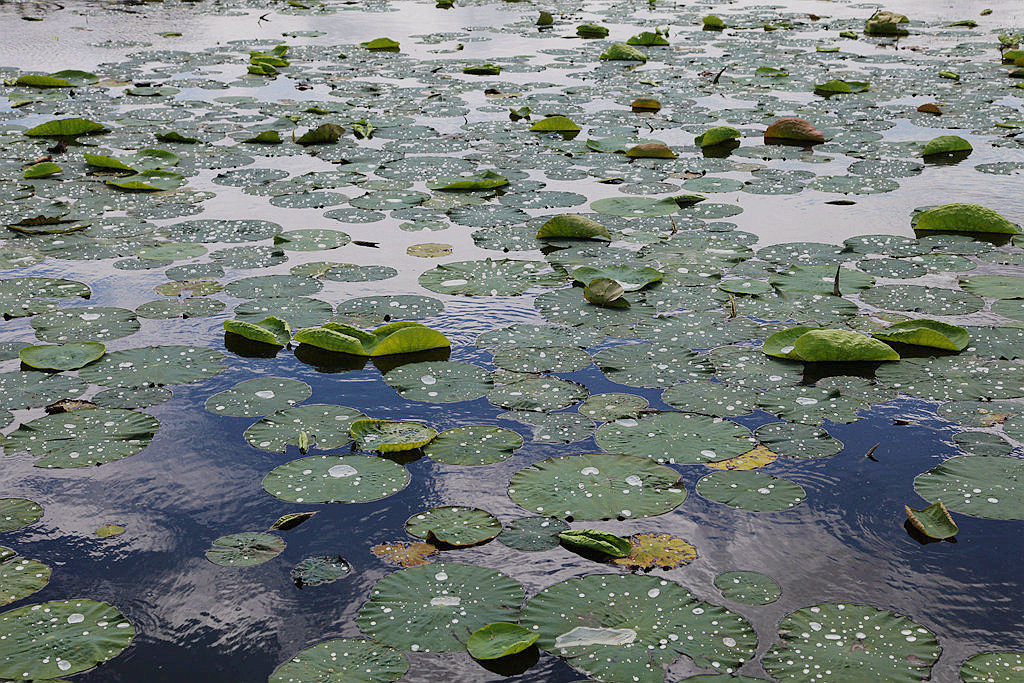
[(598, 207)]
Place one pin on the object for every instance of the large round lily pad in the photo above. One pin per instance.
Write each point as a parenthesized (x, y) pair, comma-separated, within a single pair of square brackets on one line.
[(61, 356), (434, 608), (976, 485), (851, 644), (82, 438), (154, 366), (343, 659), (597, 486), (336, 479), (439, 381), (454, 525), (261, 396), (85, 324), (16, 513), (473, 445), (60, 638), (678, 438), (750, 490), (246, 549), (540, 394), (617, 627), (324, 426)]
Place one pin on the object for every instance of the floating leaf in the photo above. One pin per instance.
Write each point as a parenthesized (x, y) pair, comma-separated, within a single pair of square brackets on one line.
[(532, 533), (933, 521), (336, 479), (924, 332), (572, 226), (592, 540), (256, 397), (992, 666), (946, 145), (555, 124), (398, 337), (271, 330), (751, 490), (499, 639), (748, 588), (20, 577), (976, 485), (325, 426), (83, 438), (961, 217), (405, 554), (316, 571), (454, 525), (60, 128), (390, 436), (246, 549), (343, 659), (17, 513), (62, 356), (649, 551), (109, 530), (290, 521), (473, 445)]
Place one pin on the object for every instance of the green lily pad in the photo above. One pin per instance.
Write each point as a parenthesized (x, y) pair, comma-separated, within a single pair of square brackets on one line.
[(751, 490), (748, 588), (572, 226), (553, 427), (608, 407), (630, 278), (17, 513), (154, 366), (921, 299), (454, 525), (473, 445), (261, 396), (960, 217), (110, 530), (717, 136), (325, 426), (946, 144), (434, 608), (505, 277), (933, 521), (60, 638), (924, 332), (336, 479), (634, 207), (540, 394), (246, 549), (555, 124), (480, 181), (311, 239), (390, 436), (499, 639), (594, 541), (711, 398), (341, 659), (398, 337), (85, 324), (591, 486), (316, 571), (676, 438), (83, 438), (996, 286), (439, 382), (271, 330), (616, 627), (532, 533), (62, 356), (61, 128), (820, 345), (976, 485), (821, 280), (380, 45), (854, 642), (623, 52), (543, 359), (20, 577), (987, 667), (839, 87), (947, 378)]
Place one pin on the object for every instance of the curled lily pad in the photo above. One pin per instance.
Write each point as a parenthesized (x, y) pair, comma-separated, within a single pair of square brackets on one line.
[(748, 588), (591, 486), (398, 337), (336, 479), (390, 436), (83, 438), (434, 608), (60, 638), (649, 551), (572, 226), (473, 445), (634, 640), (751, 490), (924, 332), (499, 639), (857, 642), (343, 659), (933, 521), (271, 330), (246, 549), (960, 217), (17, 513), (61, 128), (63, 356), (454, 525), (594, 541), (946, 145), (820, 345), (261, 396)]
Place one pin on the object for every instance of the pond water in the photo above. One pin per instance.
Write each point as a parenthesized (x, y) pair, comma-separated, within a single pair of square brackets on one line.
[(850, 438)]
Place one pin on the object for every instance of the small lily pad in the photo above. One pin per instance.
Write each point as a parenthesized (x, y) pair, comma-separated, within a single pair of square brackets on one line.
[(390, 436), (933, 521), (454, 525), (246, 549), (499, 639)]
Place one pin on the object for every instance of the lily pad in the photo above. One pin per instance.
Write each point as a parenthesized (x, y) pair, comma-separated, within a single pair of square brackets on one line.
[(748, 588), (454, 525), (402, 336), (992, 666), (63, 356), (608, 407), (439, 382), (246, 549), (933, 521), (336, 479), (505, 277), (650, 551), (325, 426), (960, 217), (17, 513), (343, 659), (618, 627), (591, 486), (854, 642), (751, 490), (405, 554), (435, 607), (316, 571), (676, 438), (499, 639), (154, 366), (571, 226), (976, 485), (261, 396), (83, 438), (60, 638), (20, 576), (594, 541), (539, 394), (271, 330), (390, 436), (85, 324), (924, 332), (532, 533), (473, 445)]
